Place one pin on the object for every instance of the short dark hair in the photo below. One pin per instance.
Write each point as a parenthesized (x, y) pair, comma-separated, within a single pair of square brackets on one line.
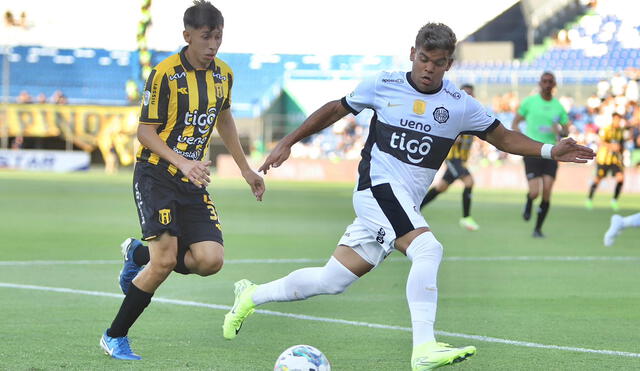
[(203, 14), (436, 36), (548, 73), (466, 86)]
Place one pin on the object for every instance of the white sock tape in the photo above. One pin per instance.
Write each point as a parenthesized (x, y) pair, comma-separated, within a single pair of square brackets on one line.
[(545, 151)]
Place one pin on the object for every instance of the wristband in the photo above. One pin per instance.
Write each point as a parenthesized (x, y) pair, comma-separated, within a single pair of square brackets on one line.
[(545, 151)]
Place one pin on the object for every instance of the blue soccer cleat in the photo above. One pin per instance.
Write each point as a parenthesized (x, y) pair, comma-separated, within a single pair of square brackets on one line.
[(118, 348), (130, 269)]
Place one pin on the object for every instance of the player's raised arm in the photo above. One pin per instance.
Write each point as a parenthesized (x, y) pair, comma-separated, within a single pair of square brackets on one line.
[(515, 125), (318, 120), (567, 150)]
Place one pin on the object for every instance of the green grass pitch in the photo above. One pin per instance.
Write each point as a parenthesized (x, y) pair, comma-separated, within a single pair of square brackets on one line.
[(562, 303)]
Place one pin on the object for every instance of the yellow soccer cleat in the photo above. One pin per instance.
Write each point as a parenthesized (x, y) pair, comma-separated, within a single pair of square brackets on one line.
[(432, 355), (242, 308)]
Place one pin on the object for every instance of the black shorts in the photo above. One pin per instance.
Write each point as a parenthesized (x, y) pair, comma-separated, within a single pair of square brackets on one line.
[(455, 170), (535, 167), (602, 170), (167, 204)]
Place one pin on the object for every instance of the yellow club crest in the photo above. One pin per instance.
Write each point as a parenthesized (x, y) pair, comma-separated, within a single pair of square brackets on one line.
[(164, 216), (219, 91), (419, 106)]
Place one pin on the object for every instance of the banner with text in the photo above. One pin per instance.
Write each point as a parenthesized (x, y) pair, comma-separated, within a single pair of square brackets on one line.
[(87, 127), (37, 160)]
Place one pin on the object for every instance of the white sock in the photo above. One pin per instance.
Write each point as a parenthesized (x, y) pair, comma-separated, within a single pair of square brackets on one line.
[(425, 253), (303, 283), (631, 221)]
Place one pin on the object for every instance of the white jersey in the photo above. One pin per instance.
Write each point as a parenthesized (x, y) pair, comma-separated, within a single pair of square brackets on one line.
[(411, 132)]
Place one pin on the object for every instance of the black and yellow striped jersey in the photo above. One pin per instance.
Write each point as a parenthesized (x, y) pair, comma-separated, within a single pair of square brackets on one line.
[(606, 156), (185, 103), (460, 148)]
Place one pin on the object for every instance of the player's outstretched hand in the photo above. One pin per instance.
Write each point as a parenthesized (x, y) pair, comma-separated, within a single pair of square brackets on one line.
[(567, 150), (196, 171), (255, 182), (279, 155)]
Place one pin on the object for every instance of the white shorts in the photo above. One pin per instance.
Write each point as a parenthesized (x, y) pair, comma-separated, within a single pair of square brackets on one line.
[(383, 213)]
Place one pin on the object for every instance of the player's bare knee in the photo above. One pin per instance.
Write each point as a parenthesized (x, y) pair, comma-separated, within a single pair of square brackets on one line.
[(468, 182), (211, 266), (163, 264)]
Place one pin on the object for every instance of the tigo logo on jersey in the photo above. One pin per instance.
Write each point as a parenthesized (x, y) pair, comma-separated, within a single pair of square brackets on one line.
[(419, 106), (441, 115), (201, 121), (164, 216), (412, 146)]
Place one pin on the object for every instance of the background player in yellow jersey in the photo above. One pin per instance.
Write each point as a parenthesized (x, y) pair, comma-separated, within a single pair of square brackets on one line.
[(546, 120), (456, 169), (609, 159), (186, 95)]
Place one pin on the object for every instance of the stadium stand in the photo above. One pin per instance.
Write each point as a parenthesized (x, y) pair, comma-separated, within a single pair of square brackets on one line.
[(98, 76)]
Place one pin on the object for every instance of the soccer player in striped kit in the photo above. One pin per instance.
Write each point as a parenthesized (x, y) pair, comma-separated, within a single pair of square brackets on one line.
[(609, 159), (186, 96)]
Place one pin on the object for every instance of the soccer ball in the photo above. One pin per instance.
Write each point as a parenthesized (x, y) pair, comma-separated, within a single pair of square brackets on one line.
[(302, 358)]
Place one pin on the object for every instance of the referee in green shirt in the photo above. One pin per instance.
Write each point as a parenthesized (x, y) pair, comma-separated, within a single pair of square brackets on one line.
[(546, 121)]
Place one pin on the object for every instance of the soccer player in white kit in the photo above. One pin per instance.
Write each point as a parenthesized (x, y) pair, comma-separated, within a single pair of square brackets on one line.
[(417, 117), (617, 224)]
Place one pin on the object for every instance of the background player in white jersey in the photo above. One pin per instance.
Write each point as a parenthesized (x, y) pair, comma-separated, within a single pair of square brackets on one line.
[(456, 169), (417, 116), (617, 224)]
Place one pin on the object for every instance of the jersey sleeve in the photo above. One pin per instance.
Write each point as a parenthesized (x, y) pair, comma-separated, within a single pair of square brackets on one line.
[(155, 99), (227, 102), (362, 96), (477, 120), (604, 134), (564, 117)]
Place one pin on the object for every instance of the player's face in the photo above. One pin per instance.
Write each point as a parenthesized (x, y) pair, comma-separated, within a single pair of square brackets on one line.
[(615, 121), (203, 44), (468, 90), (429, 67), (547, 83)]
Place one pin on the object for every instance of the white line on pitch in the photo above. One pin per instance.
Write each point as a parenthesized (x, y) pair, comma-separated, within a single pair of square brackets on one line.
[(305, 261), (328, 320)]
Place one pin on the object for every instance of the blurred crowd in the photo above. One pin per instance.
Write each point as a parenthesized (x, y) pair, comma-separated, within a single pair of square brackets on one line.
[(57, 97)]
